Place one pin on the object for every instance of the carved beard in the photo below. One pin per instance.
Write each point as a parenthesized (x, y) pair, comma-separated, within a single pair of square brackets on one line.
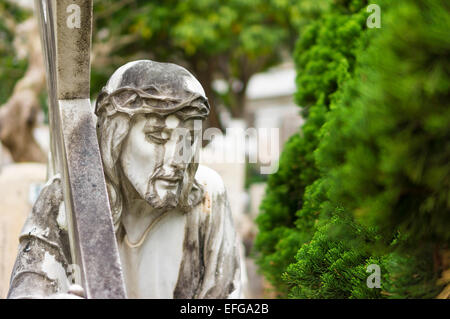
[(170, 200)]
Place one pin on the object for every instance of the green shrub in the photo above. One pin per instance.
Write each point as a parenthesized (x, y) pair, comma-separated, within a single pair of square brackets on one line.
[(383, 194), (393, 168), (333, 264), (325, 55)]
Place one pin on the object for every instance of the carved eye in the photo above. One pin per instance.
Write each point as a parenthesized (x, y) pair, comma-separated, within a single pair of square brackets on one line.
[(159, 137)]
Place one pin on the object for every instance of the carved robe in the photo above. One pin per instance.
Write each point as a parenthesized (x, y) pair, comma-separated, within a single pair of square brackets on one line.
[(203, 263)]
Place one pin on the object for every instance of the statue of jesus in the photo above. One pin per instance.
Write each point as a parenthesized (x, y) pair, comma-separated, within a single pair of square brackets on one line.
[(172, 218)]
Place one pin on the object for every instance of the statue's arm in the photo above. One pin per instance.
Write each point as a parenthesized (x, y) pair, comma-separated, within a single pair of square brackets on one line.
[(40, 270)]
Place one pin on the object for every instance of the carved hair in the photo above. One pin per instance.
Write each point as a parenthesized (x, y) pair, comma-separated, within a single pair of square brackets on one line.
[(145, 87)]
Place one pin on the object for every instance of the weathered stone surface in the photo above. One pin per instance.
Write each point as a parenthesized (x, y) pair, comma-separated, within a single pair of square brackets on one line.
[(73, 45), (94, 245)]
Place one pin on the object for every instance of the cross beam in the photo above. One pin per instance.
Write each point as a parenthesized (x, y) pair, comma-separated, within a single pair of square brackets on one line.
[(66, 31)]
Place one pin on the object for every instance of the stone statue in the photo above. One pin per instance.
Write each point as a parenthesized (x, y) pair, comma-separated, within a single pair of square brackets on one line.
[(173, 224)]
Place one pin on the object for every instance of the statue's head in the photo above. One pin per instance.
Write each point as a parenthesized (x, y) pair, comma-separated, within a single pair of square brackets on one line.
[(147, 116)]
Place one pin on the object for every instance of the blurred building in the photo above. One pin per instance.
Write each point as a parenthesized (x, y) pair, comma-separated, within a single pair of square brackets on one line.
[(270, 102), (269, 106)]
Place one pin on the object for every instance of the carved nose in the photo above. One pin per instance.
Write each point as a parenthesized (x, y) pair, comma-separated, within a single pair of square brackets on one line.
[(173, 157), (177, 166)]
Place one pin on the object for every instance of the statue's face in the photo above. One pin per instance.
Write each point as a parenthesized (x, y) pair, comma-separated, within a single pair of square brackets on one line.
[(155, 157)]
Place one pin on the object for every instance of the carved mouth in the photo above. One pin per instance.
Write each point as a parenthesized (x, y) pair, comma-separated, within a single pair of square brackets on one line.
[(172, 179), (169, 182)]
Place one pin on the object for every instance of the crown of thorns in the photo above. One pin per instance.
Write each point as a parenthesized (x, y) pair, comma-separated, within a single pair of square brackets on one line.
[(133, 101)]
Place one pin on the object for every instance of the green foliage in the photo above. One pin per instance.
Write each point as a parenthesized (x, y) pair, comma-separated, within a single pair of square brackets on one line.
[(382, 191), (11, 68), (332, 264), (383, 159), (229, 39), (395, 135), (324, 55), (410, 274)]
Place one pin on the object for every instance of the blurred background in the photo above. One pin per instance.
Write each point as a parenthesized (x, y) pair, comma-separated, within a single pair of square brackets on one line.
[(359, 94)]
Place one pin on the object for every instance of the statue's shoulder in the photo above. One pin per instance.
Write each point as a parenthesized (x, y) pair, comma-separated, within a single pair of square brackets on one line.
[(211, 181), (214, 203), (43, 220)]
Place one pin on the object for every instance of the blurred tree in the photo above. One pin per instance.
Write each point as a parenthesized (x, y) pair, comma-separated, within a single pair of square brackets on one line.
[(22, 83), (11, 67), (228, 40)]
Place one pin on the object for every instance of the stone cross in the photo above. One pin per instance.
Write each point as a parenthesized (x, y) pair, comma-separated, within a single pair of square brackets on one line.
[(66, 31)]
